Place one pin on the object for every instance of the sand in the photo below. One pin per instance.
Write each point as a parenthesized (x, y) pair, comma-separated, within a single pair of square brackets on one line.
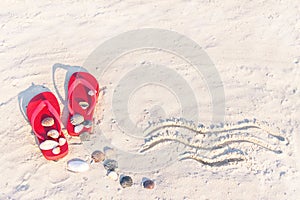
[(254, 47)]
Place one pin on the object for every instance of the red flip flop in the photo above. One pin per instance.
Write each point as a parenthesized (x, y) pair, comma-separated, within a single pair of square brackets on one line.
[(83, 92), (43, 113)]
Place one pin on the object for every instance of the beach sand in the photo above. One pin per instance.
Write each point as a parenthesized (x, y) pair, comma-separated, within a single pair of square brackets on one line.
[(254, 46)]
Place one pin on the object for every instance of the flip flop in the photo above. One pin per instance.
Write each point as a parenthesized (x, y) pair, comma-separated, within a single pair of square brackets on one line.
[(83, 92), (43, 113)]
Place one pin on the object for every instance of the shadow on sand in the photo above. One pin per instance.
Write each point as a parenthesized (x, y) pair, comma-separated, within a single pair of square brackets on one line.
[(62, 95), (25, 96)]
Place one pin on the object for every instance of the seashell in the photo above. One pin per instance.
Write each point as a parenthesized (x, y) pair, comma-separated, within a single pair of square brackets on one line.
[(84, 105), (92, 92), (62, 141), (148, 184), (56, 150), (126, 181), (53, 134), (48, 121), (76, 119), (48, 144), (98, 156), (113, 175), (78, 128), (77, 165), (110, 165), (87, 124)]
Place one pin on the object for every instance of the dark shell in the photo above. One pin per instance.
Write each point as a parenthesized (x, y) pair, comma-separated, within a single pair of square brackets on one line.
[(87, 124), (98, 156), (126, 181), (149, 184), (110, 165)]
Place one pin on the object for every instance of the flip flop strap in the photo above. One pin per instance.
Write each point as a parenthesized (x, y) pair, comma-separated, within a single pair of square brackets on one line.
[(88, 85), (38, 109)]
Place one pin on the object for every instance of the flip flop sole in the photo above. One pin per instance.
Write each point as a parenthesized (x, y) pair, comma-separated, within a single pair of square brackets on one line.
[(82, 87), (41, 106)]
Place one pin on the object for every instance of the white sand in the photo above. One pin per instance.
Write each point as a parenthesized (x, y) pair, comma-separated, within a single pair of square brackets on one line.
[(254, 45)]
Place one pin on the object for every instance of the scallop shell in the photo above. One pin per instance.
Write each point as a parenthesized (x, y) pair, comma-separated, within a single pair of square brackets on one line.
[(126, 181), (98, 156), (62, 141), (78, 128), (148, 184), (53, 134), (48, 121), (113, 175), (110, 165), (84, 105), (76, 119), (77, 165), (87, 124), (48, 144), (91, 92), (56, 150)]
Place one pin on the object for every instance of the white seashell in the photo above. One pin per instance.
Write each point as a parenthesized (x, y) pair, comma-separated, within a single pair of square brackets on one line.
[(48, 121), (77, 119), (78, 128), (113, 175), (84, 105), (53, 133), (91, 92), (48, 144), (56, 150), (77, 165), (62, 141)]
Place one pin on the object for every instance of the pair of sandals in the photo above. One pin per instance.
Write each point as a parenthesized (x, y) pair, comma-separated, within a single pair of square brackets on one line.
[(43, 112)]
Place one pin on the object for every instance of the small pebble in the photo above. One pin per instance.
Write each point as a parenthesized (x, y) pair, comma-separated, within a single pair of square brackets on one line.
[(113, 175), (126, 181), (98, 156), (149, 184), (110, 165)]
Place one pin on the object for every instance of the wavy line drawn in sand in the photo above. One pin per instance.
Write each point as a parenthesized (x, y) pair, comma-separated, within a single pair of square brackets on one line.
[(214, 145), (215, 138)]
